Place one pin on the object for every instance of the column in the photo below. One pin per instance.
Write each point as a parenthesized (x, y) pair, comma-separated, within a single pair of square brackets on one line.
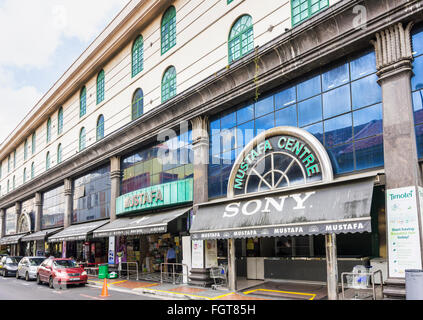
[(331, 266), (38, 211), (115, 176), (2, 222), (403, 177), (18, 209), (68, 203), (200, 146)]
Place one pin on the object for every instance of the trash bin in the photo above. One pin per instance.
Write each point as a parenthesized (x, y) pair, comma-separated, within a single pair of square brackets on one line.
[(414, 284), (103, 271)]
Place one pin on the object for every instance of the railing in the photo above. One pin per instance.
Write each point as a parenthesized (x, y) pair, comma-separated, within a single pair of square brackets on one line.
[(127, 269), (361, 281), (174, 275)]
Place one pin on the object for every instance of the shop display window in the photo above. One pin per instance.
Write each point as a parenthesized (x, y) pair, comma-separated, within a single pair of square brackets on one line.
[(11, 220), (417, 86), (53, 208)]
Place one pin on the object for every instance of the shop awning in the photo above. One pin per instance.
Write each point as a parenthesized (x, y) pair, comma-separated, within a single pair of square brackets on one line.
[(148, 224), (41, 235), (331, 208), (77, 232), (12, 239)]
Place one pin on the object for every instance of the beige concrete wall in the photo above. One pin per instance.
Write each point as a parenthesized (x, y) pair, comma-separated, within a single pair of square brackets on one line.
[(201, 50)]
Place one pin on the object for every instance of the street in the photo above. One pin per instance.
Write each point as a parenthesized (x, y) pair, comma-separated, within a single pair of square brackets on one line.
[(13, 289)]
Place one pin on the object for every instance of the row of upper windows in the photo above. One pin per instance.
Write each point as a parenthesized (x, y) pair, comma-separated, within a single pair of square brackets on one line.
[(240, 43)]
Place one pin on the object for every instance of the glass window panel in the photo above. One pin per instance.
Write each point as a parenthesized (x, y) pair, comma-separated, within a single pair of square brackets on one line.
[(363, 66), (418, 42), (342, 158), (417, 79), (287, 117), (265, 123), (228, 121), (310, 111), (228, 139), (316, 130), (368, 122), (338, 130), (245, 133), (309, 88), (369, 153), (419, 140), (336, 77), (286, 97), (418, 106), (245, 114), (264, 106), (336, 101), (366, 92)]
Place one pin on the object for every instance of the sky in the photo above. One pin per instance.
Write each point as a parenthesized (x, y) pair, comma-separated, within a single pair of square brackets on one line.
[(40, 39)]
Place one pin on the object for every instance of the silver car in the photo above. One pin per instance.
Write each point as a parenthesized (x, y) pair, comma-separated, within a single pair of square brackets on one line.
[(28, 266)]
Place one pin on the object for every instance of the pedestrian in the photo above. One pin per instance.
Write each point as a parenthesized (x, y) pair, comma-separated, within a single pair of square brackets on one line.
[(171, 255)]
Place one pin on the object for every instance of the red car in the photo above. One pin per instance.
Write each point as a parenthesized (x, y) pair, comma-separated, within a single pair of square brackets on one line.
[(61, 271)]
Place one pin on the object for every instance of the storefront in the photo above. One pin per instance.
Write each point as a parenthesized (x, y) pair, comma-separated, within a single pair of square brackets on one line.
[(38, 245)]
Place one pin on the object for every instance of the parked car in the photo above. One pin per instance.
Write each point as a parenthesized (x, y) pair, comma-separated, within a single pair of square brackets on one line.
[(28, 267), (9, 265), (62, 272)]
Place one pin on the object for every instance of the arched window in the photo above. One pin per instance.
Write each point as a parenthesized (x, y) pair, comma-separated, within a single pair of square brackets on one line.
[(60, 121), (137, 104), (33, 147), (26, 150), (48, 130), (24, 176), (8, 186), (14, 159), (32, 170), (48, 161), (137, 56), (14, 183), (169, 84), (83, 102), (100, 87), (241, 38), (59, 153), (100, 127), (82, 139), (8, 164), (168, 30)]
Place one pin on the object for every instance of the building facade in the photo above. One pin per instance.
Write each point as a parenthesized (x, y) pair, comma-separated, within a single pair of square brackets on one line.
[(276, 138)]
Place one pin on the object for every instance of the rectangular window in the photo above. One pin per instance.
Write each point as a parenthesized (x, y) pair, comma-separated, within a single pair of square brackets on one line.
[(53, 208), (304, 9)]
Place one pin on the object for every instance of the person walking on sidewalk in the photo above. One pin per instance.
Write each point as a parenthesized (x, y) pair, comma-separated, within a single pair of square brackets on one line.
[(170, 258)]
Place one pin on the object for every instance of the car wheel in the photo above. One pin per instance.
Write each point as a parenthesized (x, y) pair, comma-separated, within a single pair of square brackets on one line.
[(5, 273), (82, 284), (38, 279), (27, 276), (50, 283)]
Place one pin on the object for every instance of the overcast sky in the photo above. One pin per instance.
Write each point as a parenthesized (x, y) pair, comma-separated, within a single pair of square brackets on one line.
[(40, 39)]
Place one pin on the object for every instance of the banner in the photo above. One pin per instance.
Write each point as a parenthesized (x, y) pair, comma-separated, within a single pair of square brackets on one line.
[(111, 256), (211, 253), (197, 254)]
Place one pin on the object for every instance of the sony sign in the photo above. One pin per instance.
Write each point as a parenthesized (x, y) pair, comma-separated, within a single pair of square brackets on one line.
[(265, 205)]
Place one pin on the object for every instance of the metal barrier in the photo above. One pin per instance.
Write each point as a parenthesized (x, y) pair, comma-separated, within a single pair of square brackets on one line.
[(127, 269), (176, 276), (363, 281)]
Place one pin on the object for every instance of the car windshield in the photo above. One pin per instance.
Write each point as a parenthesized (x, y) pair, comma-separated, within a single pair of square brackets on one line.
[(65, 263), (36, 261), (11, 261)]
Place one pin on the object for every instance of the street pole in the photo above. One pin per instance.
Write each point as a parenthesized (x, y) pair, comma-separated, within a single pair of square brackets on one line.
[(332, 267)]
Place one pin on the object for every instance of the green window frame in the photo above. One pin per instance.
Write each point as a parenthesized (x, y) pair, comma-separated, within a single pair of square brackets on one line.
[(83, 102), (24, 175), (241, 38), (100, 128), (100, 86), (168, 30), (169, 84), (32, 170), (34, 142), (229, 1), (48, 130), (301, 10), (14, 159), (26, 150), (137, 104), (82, 137), (137, 56), (60, 121), (59, 153), (48, 161)]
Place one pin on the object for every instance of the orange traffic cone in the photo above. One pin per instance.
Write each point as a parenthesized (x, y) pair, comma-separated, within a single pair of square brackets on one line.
[(105, 291)]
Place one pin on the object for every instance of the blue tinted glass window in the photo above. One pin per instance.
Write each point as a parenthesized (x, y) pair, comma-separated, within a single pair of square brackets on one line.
[(310, 111), (369, 153), (228, 139), (245, 133), (342, 158), (228, 121), (338, 130), (418, 106), (245, 114), (368, 122), (287, 117), (336, 101), (336, 77), (309, 88), (417, 79), (316, 130), (363, 66), (215, 144), (265, 123), (264, 106), (366, 91), (286, 98), (419, 140), (418, 42), (215, 126)]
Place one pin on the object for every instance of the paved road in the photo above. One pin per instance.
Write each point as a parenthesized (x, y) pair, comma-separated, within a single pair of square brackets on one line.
[(13, 289)]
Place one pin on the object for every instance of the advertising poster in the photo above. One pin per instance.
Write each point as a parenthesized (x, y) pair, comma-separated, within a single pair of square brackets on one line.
[(111, 255), (211, 253), (403, 231), (197, 254)]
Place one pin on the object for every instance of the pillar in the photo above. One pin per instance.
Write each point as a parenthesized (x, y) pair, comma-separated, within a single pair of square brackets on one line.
[(115, 175), (16, 247), (403, 177), (2, 222), (231, 265), (38, 211), (331, 266), (68, 203)]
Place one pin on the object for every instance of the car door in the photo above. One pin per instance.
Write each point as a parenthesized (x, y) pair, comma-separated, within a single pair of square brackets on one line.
[(43, 270), (21, 267)]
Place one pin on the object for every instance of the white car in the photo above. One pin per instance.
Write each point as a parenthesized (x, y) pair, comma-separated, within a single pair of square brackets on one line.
[(28, 266)]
